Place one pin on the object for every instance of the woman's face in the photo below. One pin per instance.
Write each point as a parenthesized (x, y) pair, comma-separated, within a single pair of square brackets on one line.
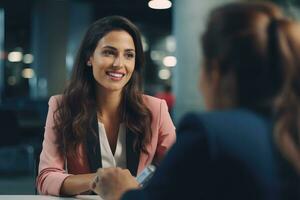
[(113, 61)]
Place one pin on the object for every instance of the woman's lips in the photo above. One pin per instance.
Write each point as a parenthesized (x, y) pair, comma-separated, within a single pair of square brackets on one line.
[(115, 75)]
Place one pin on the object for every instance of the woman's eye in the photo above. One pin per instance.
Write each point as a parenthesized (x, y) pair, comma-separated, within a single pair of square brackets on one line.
[(107, 53), (129, 55)]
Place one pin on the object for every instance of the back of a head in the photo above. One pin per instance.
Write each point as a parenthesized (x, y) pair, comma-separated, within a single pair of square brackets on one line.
[(257, 51), (237, 38)]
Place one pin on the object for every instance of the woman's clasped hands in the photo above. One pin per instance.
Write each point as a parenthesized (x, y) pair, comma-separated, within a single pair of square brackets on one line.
[(111, 183)]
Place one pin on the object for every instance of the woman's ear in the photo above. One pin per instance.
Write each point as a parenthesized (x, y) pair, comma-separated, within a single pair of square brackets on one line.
[(215, 76), (209, 84), (223, 87), (89, 62)]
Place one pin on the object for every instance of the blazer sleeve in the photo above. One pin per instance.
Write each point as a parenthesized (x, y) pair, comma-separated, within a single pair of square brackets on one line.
[(51, 167), (166, 132)]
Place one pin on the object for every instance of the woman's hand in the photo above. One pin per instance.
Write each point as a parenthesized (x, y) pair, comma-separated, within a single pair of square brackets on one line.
[(76, 184), (112, 183)]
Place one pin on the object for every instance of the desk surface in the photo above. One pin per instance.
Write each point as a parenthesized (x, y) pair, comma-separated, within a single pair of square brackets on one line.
[(44, 197)]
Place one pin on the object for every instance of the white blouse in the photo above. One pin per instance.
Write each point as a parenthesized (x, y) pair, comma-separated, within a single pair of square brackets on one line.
[(119, 158)]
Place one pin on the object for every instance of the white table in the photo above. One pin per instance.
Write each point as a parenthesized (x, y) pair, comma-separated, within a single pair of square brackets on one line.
[(44, 197)]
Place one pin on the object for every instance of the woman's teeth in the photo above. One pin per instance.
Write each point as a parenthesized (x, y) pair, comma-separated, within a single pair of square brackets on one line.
[(116, 75)]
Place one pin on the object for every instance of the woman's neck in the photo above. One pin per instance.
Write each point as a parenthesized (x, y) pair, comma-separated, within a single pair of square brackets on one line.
[(109, 104)]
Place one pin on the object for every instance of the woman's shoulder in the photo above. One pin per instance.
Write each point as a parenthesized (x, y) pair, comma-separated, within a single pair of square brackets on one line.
[(152, 102), (54, 100)]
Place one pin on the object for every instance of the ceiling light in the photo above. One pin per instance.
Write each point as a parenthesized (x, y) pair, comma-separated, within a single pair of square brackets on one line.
[(145, 44), (171, 43), (159, 4), (28, 58), (15, 56), (164, 74), (170, 61), (155, 55), (27, 73)]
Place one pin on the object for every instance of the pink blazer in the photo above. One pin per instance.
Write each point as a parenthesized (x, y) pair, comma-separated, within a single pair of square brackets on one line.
[(52, 164)]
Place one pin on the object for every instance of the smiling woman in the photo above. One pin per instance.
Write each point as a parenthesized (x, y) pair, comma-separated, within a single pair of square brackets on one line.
[(103, 119), (113, 61)]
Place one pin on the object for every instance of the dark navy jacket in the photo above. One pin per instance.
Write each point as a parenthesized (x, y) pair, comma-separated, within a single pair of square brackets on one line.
[(222, 155)]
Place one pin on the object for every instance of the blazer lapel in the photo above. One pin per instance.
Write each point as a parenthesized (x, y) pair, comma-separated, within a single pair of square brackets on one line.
[(132, 155), (93, 147)]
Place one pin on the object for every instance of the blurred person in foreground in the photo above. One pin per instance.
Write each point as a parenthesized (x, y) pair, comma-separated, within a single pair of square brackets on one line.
[(103, 119), (247, 145)]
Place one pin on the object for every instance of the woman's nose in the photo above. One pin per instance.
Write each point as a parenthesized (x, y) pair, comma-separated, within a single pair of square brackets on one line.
[(118, 62)]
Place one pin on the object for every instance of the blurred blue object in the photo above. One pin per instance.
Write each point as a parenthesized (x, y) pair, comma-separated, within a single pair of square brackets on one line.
[(17, 159)]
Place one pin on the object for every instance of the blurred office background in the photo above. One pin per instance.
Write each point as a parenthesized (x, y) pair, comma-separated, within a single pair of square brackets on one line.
[(39, 40)]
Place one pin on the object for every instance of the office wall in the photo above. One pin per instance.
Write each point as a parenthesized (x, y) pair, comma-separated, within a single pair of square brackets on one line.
[(1, 52), (189, 19)]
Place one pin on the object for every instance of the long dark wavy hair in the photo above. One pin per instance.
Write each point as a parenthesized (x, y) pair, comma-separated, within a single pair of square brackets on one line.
[(74, 115), (258, 54)]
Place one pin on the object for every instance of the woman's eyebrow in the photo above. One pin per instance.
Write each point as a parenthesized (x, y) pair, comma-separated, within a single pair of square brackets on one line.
[(130, 50), (114, 48), (110, 47)]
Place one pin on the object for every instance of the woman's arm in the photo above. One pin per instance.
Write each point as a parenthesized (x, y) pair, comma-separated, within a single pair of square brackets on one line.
[(53, 179), (76, 184), (51, 167), (167, 134)]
